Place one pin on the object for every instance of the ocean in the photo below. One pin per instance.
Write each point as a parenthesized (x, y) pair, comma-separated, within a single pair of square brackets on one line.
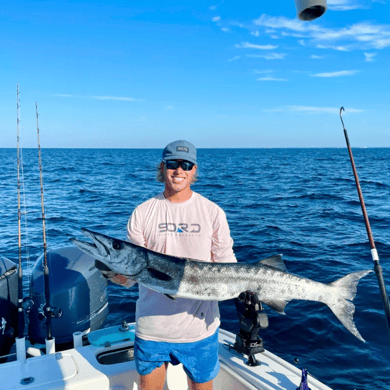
[(301, 203)]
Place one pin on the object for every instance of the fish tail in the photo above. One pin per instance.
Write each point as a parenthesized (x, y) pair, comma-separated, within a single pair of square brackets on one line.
[(341, 304)]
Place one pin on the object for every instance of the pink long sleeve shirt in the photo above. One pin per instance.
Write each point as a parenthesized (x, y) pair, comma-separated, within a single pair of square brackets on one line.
[(196, 229)]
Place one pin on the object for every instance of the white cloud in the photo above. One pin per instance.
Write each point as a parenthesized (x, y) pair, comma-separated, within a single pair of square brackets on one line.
[(118, 98), (269, 78), (340, 73), (225, 29), (216, 19), (358, 36), (215, 6), (312, 110), (369, 57), (315, 57), (234, 58), (319, 110), (169, 107), (270, 56), (344, 5), (247, 45)]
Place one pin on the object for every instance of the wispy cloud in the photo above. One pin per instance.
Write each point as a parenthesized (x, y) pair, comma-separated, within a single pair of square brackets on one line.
[(169, 107), (248, 45), (216, 19), (234, 58), (269, 78), (370, 57), (117, 98), (269, 56), (333, 47), (315, 57), (312, 110), (340, 73), (358, 36), (215, 6), (344, 5)]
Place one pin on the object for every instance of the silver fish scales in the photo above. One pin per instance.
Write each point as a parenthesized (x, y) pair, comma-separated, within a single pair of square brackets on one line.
[(189, 278)]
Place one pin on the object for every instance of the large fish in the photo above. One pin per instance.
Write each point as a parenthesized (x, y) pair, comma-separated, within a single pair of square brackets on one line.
[(187, 278)]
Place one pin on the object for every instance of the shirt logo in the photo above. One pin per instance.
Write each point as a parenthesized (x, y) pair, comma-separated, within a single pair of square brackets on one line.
[(179, 228)]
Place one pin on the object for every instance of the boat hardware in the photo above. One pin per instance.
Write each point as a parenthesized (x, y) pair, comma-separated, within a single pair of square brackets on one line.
[(252, 318), (303, 385)]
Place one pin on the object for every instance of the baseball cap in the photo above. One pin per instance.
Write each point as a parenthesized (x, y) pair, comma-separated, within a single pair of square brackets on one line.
[(180, 150)]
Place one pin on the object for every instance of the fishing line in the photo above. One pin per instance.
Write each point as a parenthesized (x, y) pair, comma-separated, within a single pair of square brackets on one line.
[(374, 252)]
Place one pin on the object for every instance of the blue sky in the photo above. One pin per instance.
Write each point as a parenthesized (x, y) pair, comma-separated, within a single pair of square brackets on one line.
[(217, 73)]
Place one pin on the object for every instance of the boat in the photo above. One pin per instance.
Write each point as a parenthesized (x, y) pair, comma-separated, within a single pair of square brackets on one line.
[(81, 354)]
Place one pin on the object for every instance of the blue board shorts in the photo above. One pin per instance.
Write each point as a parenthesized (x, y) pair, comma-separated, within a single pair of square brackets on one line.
[(200, 358)]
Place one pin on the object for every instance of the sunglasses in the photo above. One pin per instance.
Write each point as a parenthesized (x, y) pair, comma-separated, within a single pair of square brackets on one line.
[(174, 164)]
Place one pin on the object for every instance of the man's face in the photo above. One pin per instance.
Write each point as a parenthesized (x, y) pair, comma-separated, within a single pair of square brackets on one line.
[(177, 179)]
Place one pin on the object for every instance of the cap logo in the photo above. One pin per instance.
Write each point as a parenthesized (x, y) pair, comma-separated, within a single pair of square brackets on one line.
[(182, 149)]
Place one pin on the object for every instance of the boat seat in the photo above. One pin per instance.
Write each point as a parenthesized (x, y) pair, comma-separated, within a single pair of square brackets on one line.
[(176, 378)]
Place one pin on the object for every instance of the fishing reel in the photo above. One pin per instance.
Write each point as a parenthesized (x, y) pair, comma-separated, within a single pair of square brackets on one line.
[(252, 318), (53, 312)]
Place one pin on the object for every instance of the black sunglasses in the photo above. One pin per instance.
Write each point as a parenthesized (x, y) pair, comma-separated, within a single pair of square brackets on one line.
[(174, 164)]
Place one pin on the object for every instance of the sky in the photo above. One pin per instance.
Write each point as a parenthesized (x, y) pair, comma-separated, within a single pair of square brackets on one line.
[(220, 74)]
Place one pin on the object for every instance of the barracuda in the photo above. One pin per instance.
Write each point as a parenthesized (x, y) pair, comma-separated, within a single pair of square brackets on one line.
[(188, 278)]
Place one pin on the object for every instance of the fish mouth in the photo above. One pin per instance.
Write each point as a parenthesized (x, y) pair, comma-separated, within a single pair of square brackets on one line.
[(98, 250)]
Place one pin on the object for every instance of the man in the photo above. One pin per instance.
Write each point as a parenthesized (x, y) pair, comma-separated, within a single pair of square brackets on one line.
[(182, 223)]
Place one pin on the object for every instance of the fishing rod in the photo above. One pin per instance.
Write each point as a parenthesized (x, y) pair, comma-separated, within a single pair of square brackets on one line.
[(21, 354), (48, 310), (374, 252)]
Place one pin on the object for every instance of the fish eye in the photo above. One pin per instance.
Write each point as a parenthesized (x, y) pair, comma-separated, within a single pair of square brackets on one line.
[(117, 245)]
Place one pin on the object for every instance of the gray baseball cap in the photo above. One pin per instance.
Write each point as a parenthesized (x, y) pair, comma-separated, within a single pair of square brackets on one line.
[(180, 150)]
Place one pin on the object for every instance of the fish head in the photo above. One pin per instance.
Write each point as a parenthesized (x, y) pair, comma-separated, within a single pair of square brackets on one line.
[(121, 257)]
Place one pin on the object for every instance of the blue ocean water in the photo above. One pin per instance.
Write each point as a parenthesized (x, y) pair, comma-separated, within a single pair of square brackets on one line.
[(298, 202)]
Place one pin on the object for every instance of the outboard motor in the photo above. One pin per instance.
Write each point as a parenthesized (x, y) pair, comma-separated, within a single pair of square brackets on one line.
[(8, 304), (310, 9), (78, 292)]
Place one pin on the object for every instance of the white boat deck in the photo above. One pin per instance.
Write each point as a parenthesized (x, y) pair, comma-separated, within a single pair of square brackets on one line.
[(79, 369)]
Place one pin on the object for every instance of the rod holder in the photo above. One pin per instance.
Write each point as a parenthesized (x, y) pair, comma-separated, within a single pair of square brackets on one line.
[(21, 349), (50, 346), (310, 9), (77, 340)]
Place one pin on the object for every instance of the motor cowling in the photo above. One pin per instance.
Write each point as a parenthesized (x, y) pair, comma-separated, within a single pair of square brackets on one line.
[(77, 290)]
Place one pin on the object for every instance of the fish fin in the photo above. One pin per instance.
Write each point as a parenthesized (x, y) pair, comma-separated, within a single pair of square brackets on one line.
[(274, 262), (159, 275), (341, 306), (276, 305), (170, 297)]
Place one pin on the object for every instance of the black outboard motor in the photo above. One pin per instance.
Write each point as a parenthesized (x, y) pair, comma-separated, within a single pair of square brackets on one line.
[(78, 293), (8, 304)]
